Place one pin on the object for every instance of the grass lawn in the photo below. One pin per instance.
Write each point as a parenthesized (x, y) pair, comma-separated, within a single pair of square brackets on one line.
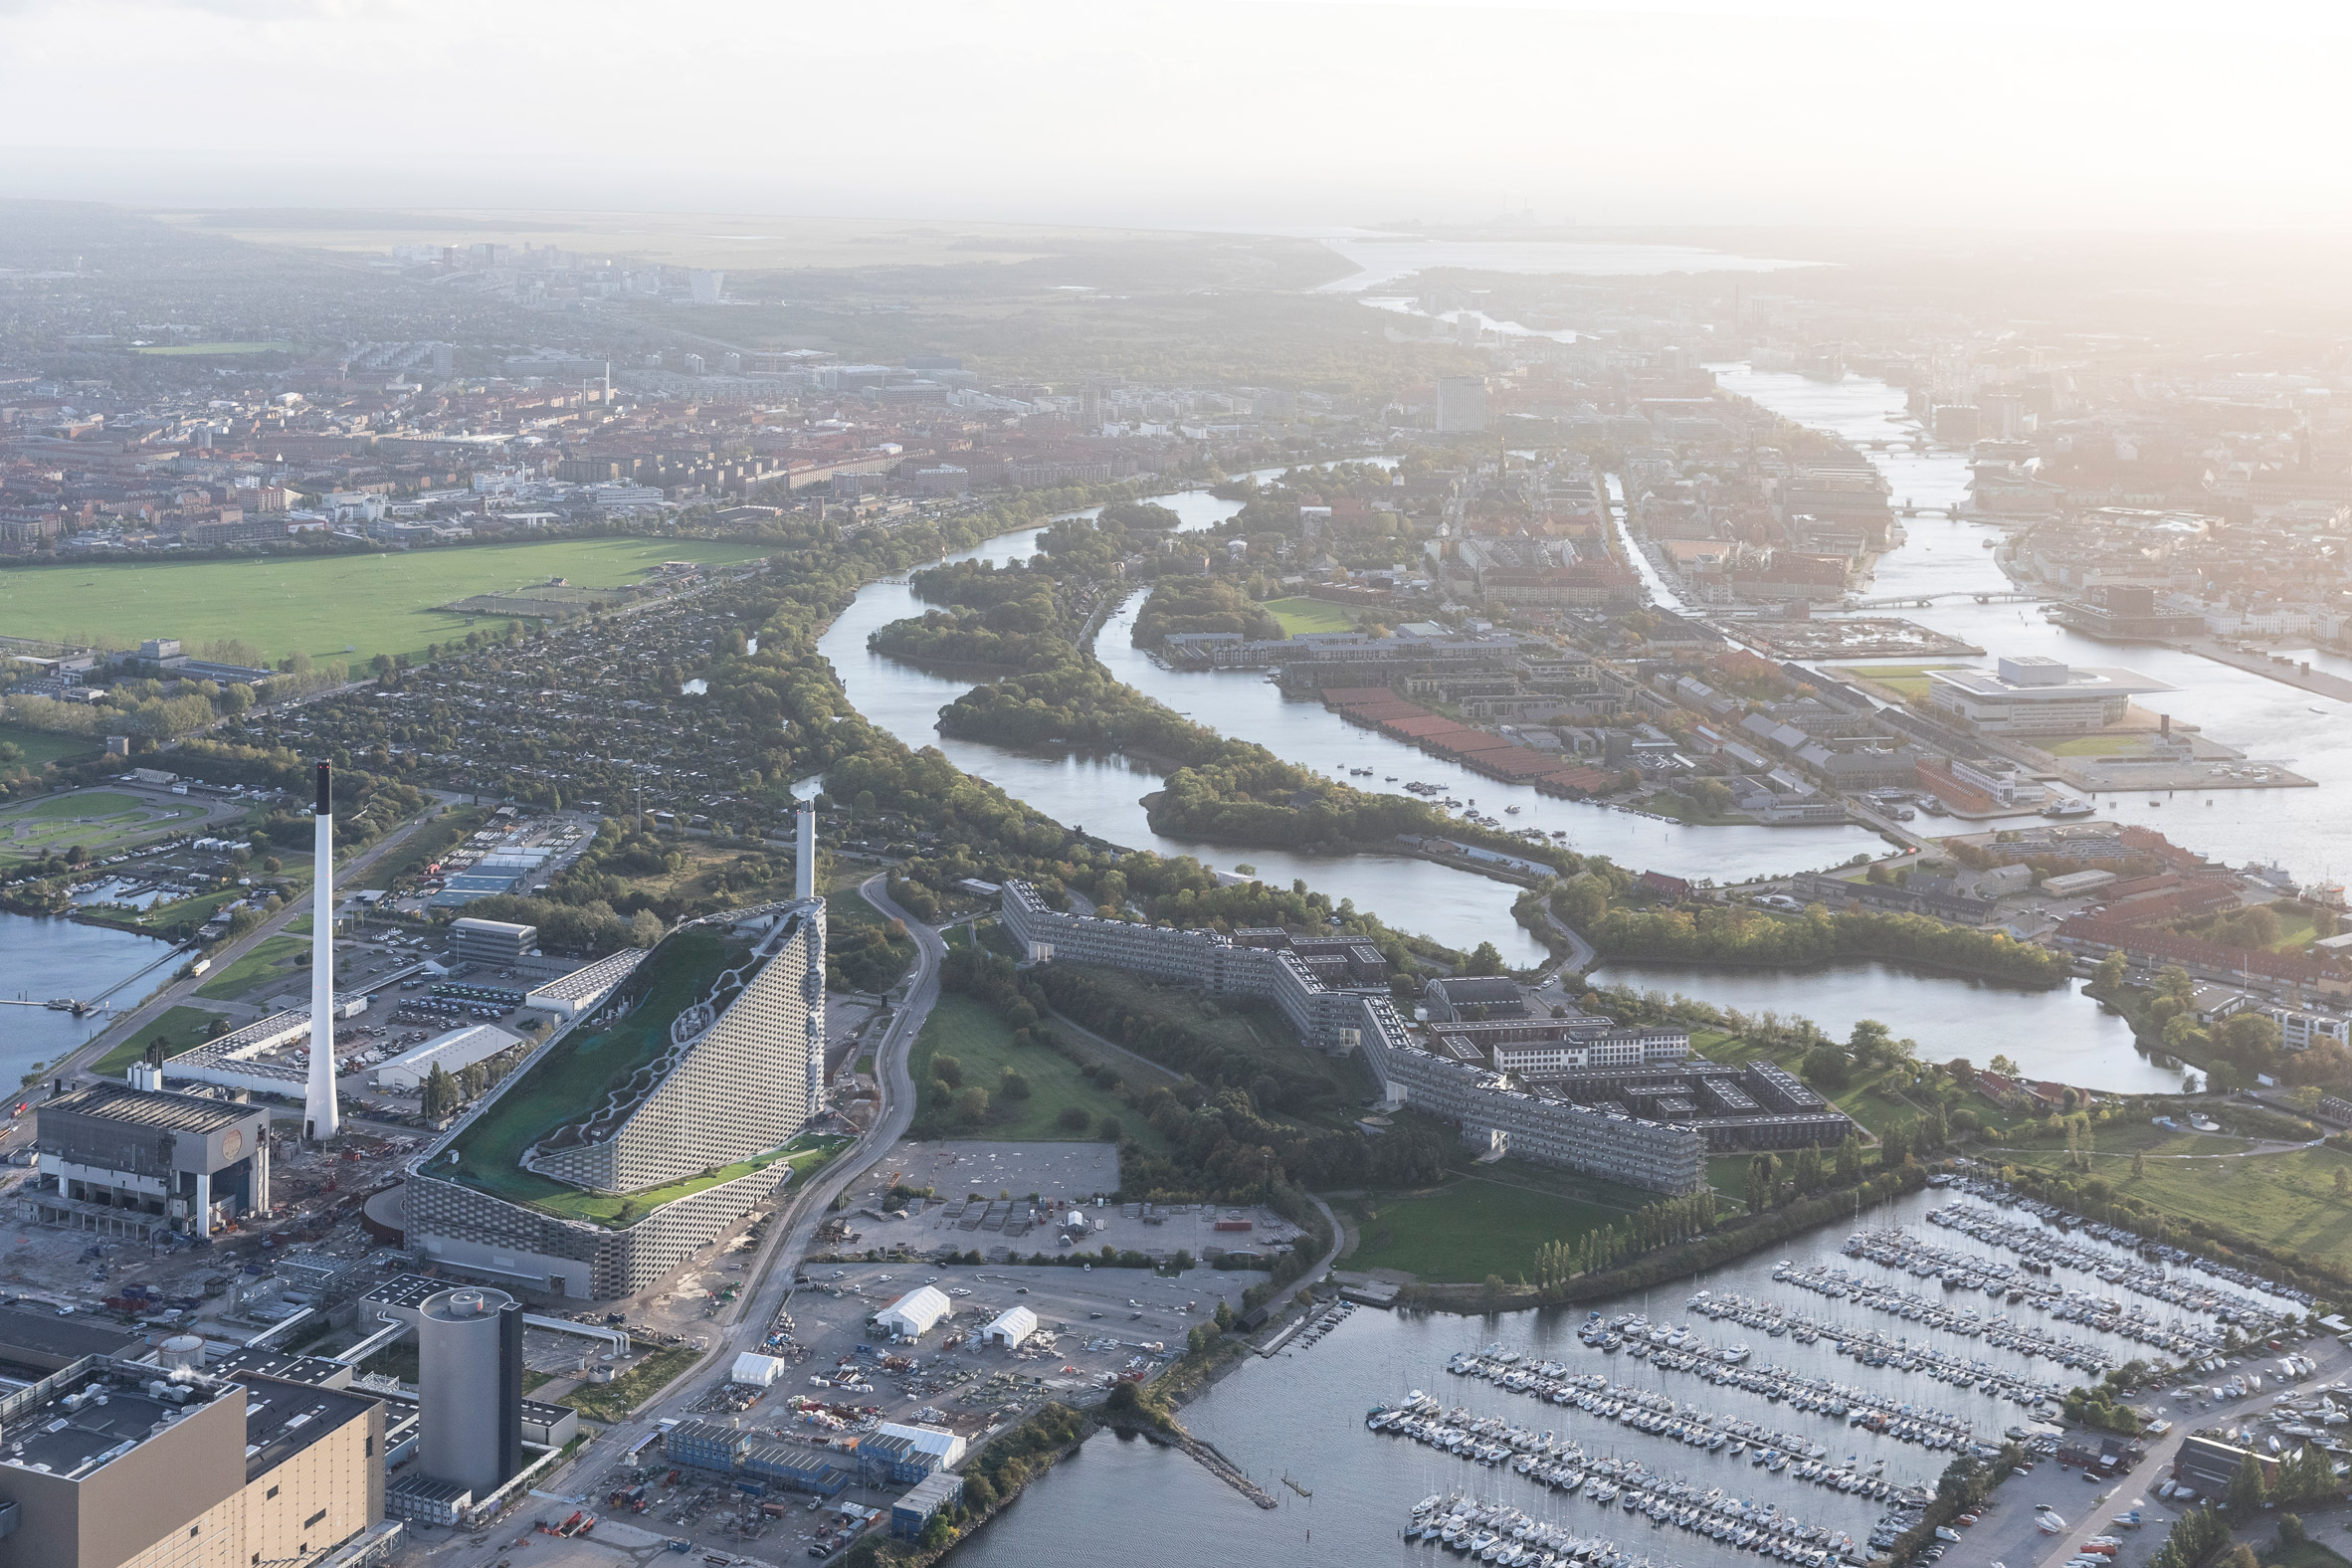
[(2286, 1200), (2100, 746), (341, 607), (608, 1402), (179, 1029), (39, 746), (622, 1209), (572, 1078), (101, 820), (1302, 614), (2304, 1554), (95, 805), (194, 910), (267, 964), (976, 1037), (1471, 1227), (1908, 680)]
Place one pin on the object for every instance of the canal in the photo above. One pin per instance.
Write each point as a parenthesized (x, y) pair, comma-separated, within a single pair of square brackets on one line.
[(44, 957)]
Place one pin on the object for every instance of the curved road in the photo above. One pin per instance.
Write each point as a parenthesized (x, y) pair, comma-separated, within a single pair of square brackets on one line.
[(770, 1278)]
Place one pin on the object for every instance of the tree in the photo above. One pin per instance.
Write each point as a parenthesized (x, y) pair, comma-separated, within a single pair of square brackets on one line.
[(439, 1094), (1486, 961), (949, 1070), (2246, 1491), (1012, 1085), (1870, 1042), (1826, 1067), (2252, 1035), (644, 928), (972, 1105), (2139, 1166), (1073, 1118), (1224, 1316), (2110, 973)]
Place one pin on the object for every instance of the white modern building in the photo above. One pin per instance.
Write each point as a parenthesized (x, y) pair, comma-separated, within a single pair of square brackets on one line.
[(2036, 696), (453, 1053)]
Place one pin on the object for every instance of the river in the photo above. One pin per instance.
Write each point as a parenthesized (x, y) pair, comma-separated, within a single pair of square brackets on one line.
[(2059, 1035), (1301, 1415), (2267, 721), (1103, 792), (40, 959)]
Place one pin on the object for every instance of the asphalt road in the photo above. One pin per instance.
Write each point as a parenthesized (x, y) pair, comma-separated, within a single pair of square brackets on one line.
[(789, 1240)]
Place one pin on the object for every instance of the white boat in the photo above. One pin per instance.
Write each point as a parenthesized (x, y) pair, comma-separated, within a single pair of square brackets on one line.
[(2049, 1521)]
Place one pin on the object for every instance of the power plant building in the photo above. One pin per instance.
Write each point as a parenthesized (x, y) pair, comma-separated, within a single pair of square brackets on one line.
[(721, 1032), (135, 1162), (115, 1463)]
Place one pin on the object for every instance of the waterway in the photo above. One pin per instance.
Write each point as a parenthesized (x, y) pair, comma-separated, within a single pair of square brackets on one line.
[(1103, 792), (2059, 1035), (1301, 1415), (44, 957), (2269, 722)]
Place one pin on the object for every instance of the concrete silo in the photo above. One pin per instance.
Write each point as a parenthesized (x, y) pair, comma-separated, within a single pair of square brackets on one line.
[(469, 1372)]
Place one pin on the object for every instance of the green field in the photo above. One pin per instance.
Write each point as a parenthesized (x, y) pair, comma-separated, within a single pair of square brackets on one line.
[(39, 746), (571, 1079), (975, 1035), (622, 1209), (179, 1029), (101, 820), (1471, 1227), (1909, 681), (268, 963), (343, 607), (183, 351), (1300, 614)]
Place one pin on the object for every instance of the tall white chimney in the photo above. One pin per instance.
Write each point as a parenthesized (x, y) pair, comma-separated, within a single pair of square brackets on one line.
[(320, 1119), (804, 851)]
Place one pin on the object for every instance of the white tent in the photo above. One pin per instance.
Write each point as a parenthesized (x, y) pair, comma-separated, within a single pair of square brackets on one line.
[(1011, 1329), (757, 1370), (914, 1315)]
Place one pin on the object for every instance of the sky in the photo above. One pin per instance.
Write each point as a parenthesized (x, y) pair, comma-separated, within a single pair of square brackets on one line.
[(1197, 114)]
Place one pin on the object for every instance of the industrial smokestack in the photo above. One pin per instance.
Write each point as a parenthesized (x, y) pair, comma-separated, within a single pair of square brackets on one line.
[(804, 851), (320, 1119)]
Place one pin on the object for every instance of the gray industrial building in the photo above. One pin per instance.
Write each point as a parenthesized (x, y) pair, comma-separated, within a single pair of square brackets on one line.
[(125, 1161)]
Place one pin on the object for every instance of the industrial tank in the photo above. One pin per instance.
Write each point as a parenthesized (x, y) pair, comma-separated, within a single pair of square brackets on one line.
[(469, 1381)]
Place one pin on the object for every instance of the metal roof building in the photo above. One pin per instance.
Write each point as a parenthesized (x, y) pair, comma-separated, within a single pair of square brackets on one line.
[(915, 1313)]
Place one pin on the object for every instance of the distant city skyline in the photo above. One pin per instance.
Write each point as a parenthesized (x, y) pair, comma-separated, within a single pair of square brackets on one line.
[(1231, 113)]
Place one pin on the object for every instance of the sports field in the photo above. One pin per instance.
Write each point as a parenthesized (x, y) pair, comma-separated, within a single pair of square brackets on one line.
[(39, 746), (1467, 1229), (348, 608), (1300, 614), (101, 820)]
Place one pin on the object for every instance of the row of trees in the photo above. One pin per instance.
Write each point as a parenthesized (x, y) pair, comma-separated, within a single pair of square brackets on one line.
[(1646, 1229), (1723, 934)]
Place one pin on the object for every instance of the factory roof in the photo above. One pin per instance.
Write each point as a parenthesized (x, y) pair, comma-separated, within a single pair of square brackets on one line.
[(163, 1110), (591, 979), (282, 1419), (44, 1333), (405, 1289)]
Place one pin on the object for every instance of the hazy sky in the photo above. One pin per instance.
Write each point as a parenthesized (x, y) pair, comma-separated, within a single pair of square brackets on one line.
[(1185, 112)]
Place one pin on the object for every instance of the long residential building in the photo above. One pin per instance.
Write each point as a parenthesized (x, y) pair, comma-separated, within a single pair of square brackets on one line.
[(1492, 1110)]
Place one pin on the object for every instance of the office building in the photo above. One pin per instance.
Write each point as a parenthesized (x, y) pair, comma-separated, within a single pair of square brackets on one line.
[(492, 942)]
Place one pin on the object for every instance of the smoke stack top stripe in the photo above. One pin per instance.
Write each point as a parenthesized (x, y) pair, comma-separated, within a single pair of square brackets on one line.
[(325, 805)]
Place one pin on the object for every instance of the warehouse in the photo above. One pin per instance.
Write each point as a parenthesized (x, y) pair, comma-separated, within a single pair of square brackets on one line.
[(912, 1514), (1011, 1329), (585, 988), (915, 1313), (453, 1053)]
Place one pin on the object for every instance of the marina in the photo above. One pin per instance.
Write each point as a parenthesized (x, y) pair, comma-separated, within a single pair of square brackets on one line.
[(1564, 1467)]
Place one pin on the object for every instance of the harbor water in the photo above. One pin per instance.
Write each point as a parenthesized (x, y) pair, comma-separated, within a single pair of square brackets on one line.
[(2268, 721), (43, 957), (1301, 1415)]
